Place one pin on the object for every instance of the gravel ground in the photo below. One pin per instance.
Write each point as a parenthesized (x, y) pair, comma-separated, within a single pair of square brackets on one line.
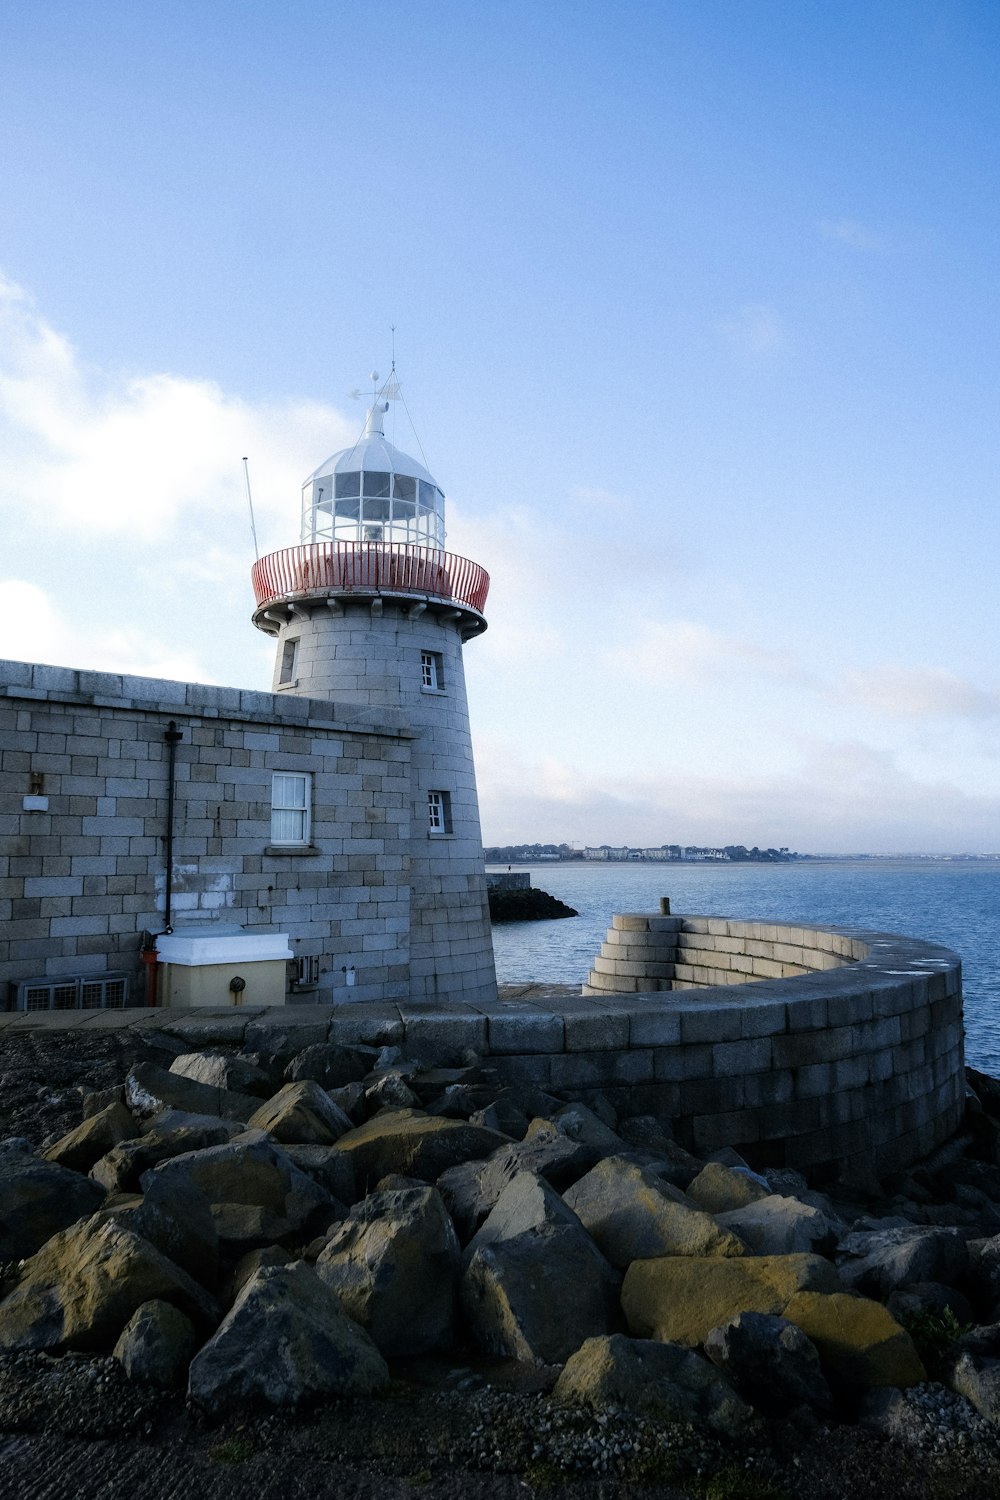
[(75, 1427)]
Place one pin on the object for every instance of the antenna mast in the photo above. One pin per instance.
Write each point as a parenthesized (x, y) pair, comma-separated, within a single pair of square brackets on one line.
[(253, 528)]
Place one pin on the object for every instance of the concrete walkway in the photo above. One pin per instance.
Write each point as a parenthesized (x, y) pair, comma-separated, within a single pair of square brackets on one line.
[(230, 1023)]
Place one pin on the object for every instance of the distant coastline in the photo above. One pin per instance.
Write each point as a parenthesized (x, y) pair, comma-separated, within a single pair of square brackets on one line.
[(686, 854)]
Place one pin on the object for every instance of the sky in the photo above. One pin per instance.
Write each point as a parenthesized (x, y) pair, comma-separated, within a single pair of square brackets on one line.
[(695, 309)]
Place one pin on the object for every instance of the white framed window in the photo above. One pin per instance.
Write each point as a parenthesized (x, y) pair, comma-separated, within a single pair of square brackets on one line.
[(432, 671), (291, 807), (439, 812), (289, 655)]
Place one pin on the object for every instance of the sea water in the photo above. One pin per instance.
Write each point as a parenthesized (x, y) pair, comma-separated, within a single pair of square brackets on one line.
[(954, 902)]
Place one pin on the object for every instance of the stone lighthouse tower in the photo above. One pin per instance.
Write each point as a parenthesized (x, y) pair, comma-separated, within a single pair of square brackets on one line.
[(370, 610)]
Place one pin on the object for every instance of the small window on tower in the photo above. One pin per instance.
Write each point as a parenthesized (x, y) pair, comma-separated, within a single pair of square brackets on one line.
[(432, 671), (289, 658), (439, 812)]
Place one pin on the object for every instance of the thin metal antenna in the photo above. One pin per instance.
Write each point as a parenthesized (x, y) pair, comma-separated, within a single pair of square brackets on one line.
[(392, 377), (253, 528)]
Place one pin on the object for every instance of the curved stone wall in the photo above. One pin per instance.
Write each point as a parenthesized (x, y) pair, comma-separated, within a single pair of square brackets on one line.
[(838, 1046), (841, 1051)]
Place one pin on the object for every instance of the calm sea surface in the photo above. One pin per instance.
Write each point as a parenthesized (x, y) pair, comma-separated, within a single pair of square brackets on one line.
[(956, 903)]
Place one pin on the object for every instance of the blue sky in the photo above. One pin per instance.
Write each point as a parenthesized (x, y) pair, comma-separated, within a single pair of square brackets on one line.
[(696, 311)]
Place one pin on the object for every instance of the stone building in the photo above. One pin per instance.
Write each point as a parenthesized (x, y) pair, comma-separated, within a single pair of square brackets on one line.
[(321, 839)]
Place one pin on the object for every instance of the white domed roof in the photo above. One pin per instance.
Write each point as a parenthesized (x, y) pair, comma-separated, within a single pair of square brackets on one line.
[(373, 493), (372, 451)]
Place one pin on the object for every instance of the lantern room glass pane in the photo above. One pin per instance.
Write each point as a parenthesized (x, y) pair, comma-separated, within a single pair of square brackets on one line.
[(347, 484), (404, 487), (348, 508), (377, 483), (376, 510)]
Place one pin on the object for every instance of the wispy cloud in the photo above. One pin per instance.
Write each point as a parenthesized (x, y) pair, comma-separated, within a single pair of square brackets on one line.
[(842, 797), (755, 330), (36, 629), (849, 232), (686, 652), (917, 693)]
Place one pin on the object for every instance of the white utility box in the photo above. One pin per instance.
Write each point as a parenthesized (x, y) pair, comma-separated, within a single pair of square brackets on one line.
[(223, 966)]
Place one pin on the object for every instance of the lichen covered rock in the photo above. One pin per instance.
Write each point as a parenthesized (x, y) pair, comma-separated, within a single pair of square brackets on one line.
[(680, 1298)]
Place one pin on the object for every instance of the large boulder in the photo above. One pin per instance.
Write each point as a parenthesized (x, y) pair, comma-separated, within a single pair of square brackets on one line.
[(330, 1066), (220, 1070), (92, 1138), (175, 1216), (983, 1276), (157, 1345), (389, 1090), (859, 1341), (978, 1380), (771, 1363), (882, 1261), (679, 1299), (665, 1381), (149, 1088), (255, 1192), (632, 1214), (301, 1114), (582, 1125), (286, 1340), (472, 1189), (173, 1133), (394, 1264), (37, 1199), (535, 1285), (84, 1285), (414, 1144), (719, 1188), (780, 1226), (332, 1170)]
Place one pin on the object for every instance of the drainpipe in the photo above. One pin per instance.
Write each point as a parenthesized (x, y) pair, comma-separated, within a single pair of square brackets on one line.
[(173, 737)]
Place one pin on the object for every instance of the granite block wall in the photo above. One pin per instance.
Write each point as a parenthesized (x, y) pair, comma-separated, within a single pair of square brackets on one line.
[(83, 808)]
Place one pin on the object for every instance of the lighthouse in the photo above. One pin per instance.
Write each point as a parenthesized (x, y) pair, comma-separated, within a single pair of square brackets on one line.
[(371, 612)]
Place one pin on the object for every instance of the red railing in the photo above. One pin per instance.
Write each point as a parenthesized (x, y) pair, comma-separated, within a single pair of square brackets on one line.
[(368, 568)]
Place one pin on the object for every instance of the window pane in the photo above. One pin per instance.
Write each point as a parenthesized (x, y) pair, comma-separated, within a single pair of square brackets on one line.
[(287, 826), (404, 487), (428, 494), (289, 791), (376, 510), (376, 483), (347, 484), (348, 508)]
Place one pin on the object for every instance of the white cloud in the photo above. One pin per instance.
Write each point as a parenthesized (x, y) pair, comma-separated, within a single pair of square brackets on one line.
[(849, 232), (917, 693), (756, 329), (685, 652), (35, 629), (841, 797), (136, 455)]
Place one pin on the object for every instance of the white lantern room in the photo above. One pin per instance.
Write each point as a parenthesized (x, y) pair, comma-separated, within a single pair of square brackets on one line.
[(373, 493)]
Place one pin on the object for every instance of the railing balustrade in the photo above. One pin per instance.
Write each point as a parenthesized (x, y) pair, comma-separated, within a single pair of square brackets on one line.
[(366, 568)]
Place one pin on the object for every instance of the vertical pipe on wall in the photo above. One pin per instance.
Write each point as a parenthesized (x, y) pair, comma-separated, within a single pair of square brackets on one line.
[(173, 737)]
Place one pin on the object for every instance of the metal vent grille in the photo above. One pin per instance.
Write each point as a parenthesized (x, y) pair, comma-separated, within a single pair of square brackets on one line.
[(81, 992)]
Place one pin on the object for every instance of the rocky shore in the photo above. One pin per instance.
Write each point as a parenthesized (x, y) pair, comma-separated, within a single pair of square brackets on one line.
[(337, 1271), (527, 904)]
